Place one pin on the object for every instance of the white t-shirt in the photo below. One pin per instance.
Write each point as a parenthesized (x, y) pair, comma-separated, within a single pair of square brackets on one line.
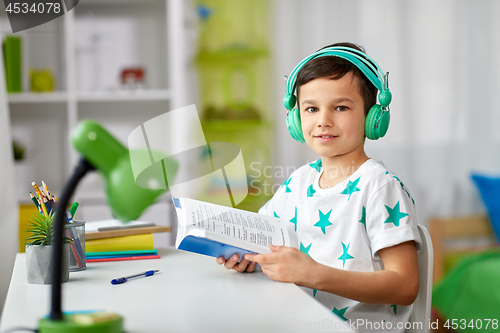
[(345, 226)]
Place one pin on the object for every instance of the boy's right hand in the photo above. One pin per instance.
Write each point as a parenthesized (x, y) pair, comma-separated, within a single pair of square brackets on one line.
[(232, 263)]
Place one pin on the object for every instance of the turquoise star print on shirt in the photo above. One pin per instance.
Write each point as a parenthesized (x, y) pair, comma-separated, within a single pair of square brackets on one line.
[(323, 221), (363, 217), (351, 188), (287, 189), (305, 249), (404, 188), (294, 219), (340, 312), (310, 191), (394, 215), (345, 256), (316, 165)]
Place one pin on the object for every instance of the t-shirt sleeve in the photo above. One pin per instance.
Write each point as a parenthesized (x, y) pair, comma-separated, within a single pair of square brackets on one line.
[(265, 208), (391, 218), (274, 206)]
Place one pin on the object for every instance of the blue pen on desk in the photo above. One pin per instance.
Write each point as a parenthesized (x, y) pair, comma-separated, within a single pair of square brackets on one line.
[(125, 278)]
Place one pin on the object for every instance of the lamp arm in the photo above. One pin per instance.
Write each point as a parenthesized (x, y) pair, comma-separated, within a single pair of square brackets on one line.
[(80, 171)]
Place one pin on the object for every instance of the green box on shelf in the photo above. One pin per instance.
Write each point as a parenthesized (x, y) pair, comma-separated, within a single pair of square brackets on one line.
[(224, 23), (233, 84), (12, 55)]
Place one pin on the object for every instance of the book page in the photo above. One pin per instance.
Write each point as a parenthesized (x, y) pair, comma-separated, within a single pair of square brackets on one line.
[(232, 223)]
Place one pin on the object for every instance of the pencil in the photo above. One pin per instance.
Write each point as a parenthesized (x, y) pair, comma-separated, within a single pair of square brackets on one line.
[(46, 205), (37, 189), (49, 203), (35, 201), (76, 252), (46, 189), (75, 246), (52, 203), (44, 209), (37, 204), (48, 192)]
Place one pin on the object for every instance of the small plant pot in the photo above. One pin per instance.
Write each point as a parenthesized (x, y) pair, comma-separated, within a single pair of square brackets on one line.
[(39, 264)]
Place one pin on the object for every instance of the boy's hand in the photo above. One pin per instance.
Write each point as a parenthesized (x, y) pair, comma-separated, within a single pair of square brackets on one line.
[(285, 264), (232, 263)]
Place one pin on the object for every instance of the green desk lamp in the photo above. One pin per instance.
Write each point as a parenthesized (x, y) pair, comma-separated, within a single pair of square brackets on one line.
[(102, 152)]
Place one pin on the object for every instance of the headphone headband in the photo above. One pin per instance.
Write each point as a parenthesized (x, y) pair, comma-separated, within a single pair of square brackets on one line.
[(366, 65)]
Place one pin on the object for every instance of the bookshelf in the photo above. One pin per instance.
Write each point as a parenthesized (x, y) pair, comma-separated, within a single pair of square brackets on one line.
[(85, 50)]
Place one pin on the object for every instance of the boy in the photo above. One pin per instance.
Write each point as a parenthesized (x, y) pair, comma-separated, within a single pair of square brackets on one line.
[(355, 220)]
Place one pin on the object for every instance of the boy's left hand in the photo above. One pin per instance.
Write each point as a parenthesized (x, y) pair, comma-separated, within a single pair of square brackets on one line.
[(285, 264)]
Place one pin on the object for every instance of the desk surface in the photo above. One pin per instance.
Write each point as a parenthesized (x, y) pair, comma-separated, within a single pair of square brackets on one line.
[(191, 293)]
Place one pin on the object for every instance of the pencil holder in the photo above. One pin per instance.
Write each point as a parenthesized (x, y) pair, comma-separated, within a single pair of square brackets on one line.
[(77, 259)]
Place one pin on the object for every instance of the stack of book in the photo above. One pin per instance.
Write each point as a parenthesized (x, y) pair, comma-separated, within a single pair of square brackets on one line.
[(127, 242)]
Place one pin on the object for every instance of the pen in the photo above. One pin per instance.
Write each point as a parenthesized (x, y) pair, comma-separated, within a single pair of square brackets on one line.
[(125, 278), (74, 207)]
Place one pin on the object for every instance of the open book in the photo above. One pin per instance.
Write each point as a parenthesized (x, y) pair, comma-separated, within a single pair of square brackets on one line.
[(216, 230)]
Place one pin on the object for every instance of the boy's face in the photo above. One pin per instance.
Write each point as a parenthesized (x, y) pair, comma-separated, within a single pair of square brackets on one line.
[(332, 116)]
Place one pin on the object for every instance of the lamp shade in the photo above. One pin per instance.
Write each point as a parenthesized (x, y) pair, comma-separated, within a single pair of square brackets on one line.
[(111, 159)]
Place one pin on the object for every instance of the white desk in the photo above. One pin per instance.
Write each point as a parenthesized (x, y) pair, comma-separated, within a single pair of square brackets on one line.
[(191, 293)]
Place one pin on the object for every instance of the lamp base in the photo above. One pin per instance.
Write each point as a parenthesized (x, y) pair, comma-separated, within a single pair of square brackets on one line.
[(83, 323)]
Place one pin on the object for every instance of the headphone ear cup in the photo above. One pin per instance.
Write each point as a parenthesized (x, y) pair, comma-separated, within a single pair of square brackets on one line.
[(294, 126), (289, 101), (377, 122)]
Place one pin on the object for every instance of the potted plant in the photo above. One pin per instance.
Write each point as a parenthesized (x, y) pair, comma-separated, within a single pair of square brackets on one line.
[(39, 250)]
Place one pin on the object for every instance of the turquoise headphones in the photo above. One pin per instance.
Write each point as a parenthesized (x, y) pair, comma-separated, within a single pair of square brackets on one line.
[(377, 120)]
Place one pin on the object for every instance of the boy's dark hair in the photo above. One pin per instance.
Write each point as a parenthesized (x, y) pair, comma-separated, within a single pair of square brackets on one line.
[(335, 68)]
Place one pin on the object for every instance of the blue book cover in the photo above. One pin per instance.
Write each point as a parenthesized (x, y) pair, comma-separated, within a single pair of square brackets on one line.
[(210, 247)]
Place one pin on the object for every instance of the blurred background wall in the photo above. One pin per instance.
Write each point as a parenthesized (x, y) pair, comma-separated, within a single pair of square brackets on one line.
[(444, 63)]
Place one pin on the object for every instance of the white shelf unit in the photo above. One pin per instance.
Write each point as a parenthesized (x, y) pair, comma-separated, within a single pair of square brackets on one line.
[(85, 49)]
